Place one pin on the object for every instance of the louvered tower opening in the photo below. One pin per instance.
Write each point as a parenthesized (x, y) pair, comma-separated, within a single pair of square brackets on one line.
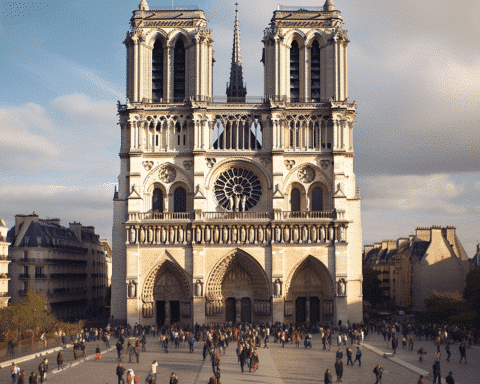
[(179, 72), (157, 71), (294, 72), (315, 71)]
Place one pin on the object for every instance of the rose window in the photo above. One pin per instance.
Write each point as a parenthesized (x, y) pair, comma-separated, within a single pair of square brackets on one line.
[(238, 190)]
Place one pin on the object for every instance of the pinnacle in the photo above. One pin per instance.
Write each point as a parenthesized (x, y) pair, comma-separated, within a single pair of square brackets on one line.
[(329, 6)]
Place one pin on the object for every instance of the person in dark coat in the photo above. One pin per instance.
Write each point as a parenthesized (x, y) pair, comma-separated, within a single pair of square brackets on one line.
[(339, 354), (394, 344), (378, 370), (436, 372), (60, 360), (339, 369), (119, 347), (33, 379), (358, 357), (328, 377), (41, 372), (349, 356), (463, 353), (120, 373), (243, 356), (449, 379), (21, 377), (447, 348)]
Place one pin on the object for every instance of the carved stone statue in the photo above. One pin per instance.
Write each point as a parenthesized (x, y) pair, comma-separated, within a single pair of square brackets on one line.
[(251, 235), (331, 234), (132, 289), (322, 233), (199, 235), (295, 234), (198, 288), (277, 288), (278, 234), (142, 235), (341, 287), (244, 203), (243, 234), (132, 235), (225, 235)]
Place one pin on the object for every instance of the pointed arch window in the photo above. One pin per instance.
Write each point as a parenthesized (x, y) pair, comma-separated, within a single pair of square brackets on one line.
[(295, 200), (315, 71), (179, 200), (317, 200), (294, 72), (157, 71), (179, 71), (157, 200)]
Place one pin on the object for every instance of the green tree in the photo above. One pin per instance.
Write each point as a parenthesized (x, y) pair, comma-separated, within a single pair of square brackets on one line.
[(448, 307), (471, 292)]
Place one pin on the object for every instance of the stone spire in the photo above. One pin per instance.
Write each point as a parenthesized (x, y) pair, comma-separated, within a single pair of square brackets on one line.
[(329, 6), (143, 6), (236, 91)]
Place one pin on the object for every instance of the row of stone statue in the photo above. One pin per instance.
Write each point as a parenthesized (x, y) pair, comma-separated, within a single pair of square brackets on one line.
[(237, 234)]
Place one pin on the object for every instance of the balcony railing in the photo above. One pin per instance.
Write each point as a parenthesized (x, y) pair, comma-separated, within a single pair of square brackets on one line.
[(4, 294), (161, 216), (61, 276), (40, 276), (307, 215), (205, 216), (24, 276), (26, 260)]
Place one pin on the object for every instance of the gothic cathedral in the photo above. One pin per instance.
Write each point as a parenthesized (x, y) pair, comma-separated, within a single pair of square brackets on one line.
[(235, 208)]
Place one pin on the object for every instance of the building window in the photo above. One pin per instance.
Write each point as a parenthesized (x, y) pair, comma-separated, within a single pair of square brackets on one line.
[(294, 72), (157, 71), (315, 71), (157, 200), (38, 271), (179, 72), (295, 200), (180, 200), (317, 200)]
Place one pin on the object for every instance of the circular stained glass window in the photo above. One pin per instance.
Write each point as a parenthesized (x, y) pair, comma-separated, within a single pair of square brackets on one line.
[(238, 190)]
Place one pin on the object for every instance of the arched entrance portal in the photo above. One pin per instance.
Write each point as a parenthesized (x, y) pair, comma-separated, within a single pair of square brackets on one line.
[(167, 292), (238, 291), (311, 293)]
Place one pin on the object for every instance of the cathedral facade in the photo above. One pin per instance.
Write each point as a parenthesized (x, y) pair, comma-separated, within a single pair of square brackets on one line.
[(236, 209)]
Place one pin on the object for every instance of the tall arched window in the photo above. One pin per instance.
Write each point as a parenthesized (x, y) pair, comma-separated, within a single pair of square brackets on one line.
[(317, 200), (179, 72), (295, 200), (315, 71), (294, 72), (180, 200), (157, 71), (157, 200)]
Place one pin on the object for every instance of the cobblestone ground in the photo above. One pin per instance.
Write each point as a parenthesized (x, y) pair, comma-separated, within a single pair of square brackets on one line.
[(277, 365)]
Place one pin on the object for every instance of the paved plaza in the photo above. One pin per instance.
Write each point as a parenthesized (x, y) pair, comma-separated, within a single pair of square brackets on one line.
[(287, 365)]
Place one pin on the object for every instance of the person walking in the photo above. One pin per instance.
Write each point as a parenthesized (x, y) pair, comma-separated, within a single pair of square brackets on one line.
[(449, 379), (339, 370), (15, 373), (60, 360), (358, 356), (394, 344), (447, 349), (378, 371), (436, 372), (120, 373), (33, 379), (349, 356), (173, 378), (463, 352), (41, 372), (328, 379), (153, 370), (339, 354), (21, 377)]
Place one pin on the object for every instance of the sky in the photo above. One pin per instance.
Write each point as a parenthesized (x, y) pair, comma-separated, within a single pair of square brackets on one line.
[(414, 72)]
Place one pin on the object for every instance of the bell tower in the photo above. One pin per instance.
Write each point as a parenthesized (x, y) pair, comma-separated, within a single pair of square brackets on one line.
[(169, 55)]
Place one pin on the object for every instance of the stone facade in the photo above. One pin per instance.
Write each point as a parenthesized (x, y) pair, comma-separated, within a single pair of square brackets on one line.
[(4, 261), (233, 209), (410, 268), (108, 261), (67, 264)]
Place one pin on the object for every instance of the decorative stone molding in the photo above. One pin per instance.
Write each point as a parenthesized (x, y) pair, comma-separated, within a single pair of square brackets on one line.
[(324, 164), (265, 161), (210, 161), (148, 165), (187, 164), (306, 174), (289, 164), (167, 174)]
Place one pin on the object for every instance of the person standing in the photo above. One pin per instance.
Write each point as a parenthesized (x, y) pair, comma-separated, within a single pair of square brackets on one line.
[(15, 373), (120, 373), (436, 372), (33, 379), (449, 353), (358, 356), (349, 356), (60, 360), (449, 379), (119, 347), (45, 363), (394, 344), (328, 379), (173, 378), (339, 369), (41, 372), (420, 380), (153, 370), (463, 352), (21, 377), (339, 354), (378, 371)]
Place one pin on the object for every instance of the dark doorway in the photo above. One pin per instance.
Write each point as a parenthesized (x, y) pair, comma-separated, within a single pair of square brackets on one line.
[(230, 310), (301, 310), (295, 200), (317, 200), (180, 200), (157, 200), (174, 312), (246, 315), (160, 312), (314, 310)]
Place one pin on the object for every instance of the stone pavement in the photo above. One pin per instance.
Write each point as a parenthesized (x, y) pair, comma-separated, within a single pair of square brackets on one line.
[(287, 365)]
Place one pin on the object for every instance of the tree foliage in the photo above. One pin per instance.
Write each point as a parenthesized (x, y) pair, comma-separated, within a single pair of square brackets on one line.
[(471, 292), (32, 313), (448, 307)]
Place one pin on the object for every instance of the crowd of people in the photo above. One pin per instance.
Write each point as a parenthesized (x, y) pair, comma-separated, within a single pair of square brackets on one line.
[(248, 338)]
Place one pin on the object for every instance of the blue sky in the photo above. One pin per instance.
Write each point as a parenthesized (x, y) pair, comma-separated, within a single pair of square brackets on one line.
[(414, 71)]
